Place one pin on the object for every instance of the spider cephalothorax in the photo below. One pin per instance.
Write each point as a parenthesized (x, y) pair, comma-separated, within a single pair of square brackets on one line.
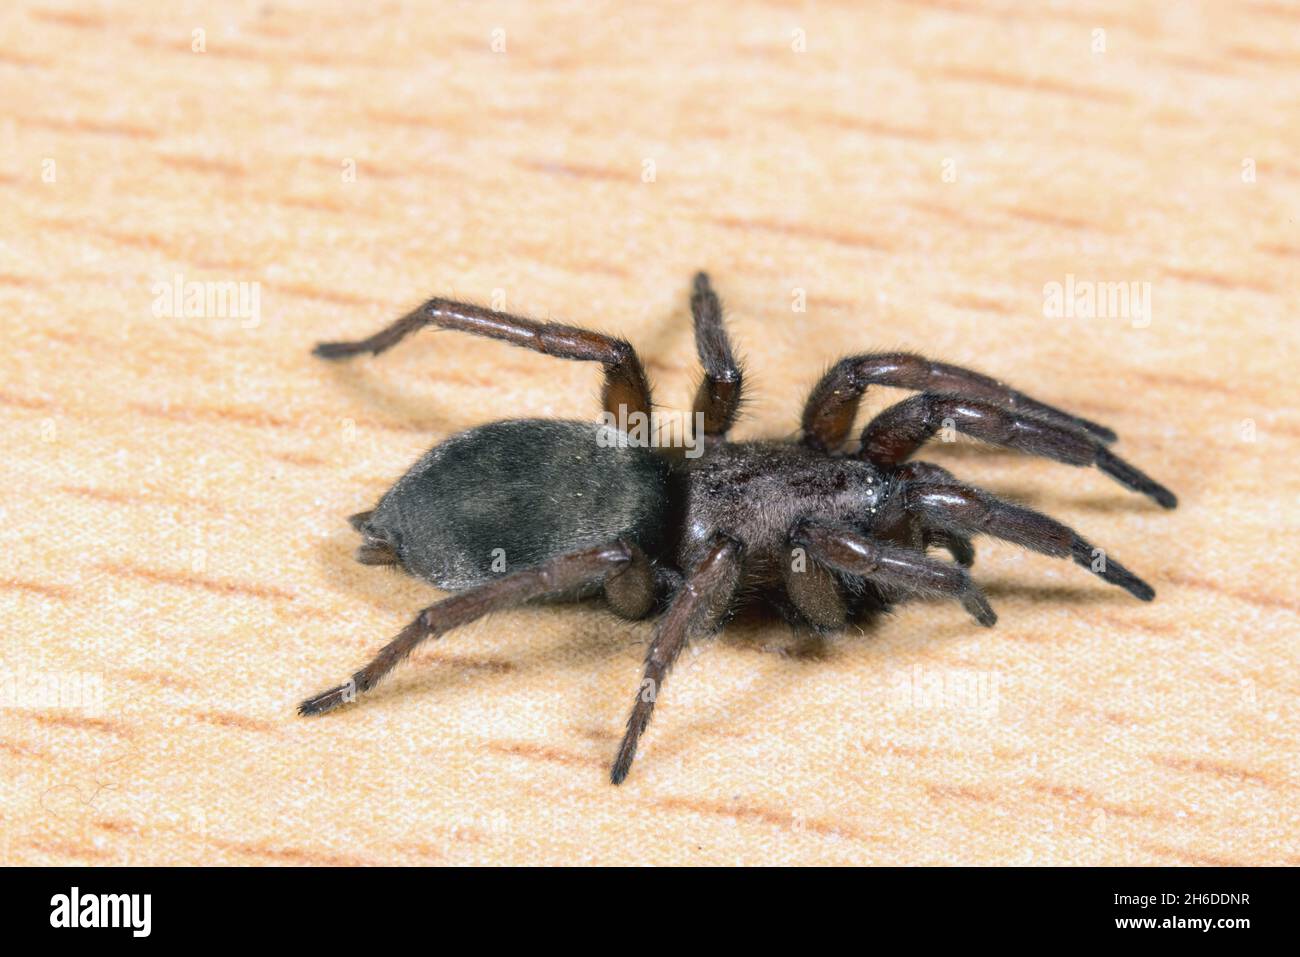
[(532, 508)]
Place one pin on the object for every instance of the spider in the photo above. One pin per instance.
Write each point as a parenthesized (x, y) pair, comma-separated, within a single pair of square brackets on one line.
[(528, 509)]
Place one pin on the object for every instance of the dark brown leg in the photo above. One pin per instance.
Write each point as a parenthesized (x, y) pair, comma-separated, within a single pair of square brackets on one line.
[(852, 553), (959, 546), (966, 510), (626, 388), (892, 436), (719, 394), (828, 415), (561, 574), (961, 549), (696, 611)]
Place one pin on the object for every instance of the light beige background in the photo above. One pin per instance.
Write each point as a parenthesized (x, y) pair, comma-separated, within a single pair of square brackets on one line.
[(173, 490)]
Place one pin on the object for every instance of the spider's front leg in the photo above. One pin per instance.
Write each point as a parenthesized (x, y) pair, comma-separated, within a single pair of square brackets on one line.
[(833, 404), (960, 509), (897, 432), (696, 610), (849, 552)]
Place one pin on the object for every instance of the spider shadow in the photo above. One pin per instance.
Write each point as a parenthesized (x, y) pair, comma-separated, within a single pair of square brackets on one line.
[(382, 587), (400, 408), (1055, 594), (751, 631), (591, 638), (1118, 502), (860, 643)]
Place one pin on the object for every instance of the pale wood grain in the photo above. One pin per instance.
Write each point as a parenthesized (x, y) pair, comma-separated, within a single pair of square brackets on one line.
[(174, 490)]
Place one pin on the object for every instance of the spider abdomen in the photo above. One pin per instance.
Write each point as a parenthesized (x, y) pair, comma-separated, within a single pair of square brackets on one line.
[(512, 494)]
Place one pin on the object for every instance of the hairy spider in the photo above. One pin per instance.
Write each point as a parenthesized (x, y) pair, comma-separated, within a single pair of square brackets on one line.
[(537, 508)]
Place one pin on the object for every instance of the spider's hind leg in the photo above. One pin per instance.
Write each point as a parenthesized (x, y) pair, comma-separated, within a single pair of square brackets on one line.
[(626, 390), (561, 575)]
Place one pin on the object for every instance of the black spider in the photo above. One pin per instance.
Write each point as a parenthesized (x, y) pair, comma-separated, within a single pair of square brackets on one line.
[(526, 509)]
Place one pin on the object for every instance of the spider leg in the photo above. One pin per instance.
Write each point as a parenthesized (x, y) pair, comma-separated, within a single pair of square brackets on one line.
[(833, 402), (898, 431), (967, 510), (626, 388), (959, 546), (851, 553), (561, 574), (695, 611), (719, 395)]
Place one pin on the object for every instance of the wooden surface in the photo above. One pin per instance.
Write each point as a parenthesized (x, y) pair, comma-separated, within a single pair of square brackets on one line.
[(173, 489)]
